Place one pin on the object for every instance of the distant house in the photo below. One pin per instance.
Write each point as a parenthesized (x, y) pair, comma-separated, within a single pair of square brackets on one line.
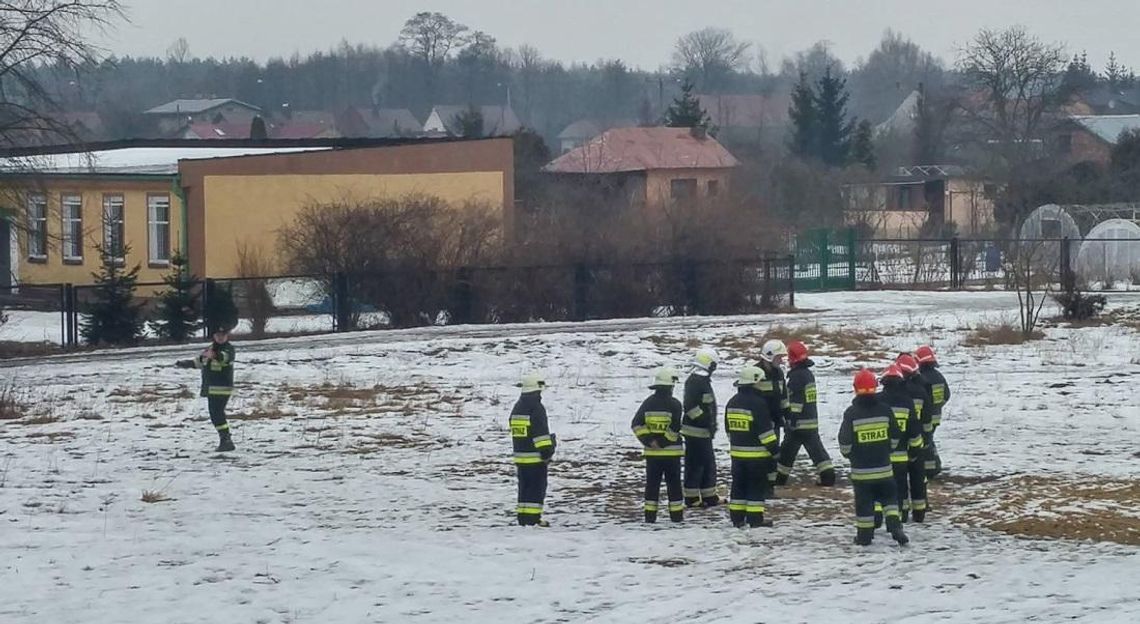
[(746, 118), (904, 121), (175, 115), (901, 204), (214, 131), (650, 167), (581, 131), (1105, 101), (497, 120), (1090, 138), (378, 123)]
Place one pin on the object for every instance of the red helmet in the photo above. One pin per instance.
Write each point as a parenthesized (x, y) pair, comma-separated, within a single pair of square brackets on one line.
[(865, 382), (893, 371), (797, 352), (925, 355), (907, 364)]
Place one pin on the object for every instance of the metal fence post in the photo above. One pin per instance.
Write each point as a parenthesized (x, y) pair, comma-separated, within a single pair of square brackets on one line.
[(791, 280), (824, 258), (851, 259), (75, 335), (955, 265), (1068, 280), (342, 306), (65, 321), (767, 291), (208, 290), (464, 297)]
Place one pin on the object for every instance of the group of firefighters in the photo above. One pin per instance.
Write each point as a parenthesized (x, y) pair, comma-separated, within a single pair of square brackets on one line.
[(887, 434)]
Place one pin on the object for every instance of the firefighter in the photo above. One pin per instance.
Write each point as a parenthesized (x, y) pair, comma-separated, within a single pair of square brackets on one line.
[(939, 396), (920, 394), (802, 423), (657, 425), (774, 390), (752, 447), (867, 437), (906, 458), (217, 365), (699, 427), (533, 446)]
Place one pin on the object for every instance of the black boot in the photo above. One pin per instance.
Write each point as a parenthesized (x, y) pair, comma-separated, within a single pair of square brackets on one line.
[(651, 517), (878, 519), (757, 520), (904, 516), (711, 501), (225, 442), (896, 531), (677, 516), (781, 479), (737, 518), (920, 515), (692, 501), (864, 537), (827, 477)]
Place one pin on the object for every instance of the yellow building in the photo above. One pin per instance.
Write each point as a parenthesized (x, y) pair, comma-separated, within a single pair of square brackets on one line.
[(922, 199), (207, 201)]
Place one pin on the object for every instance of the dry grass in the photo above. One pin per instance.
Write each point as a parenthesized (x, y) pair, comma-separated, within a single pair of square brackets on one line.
[(999, 334), (153, 496), (261, 412), (43, 419), (12, 400), (149, 394), (860, 345)]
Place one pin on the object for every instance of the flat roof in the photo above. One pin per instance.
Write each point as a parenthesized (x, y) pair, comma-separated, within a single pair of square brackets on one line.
[(154, 161)]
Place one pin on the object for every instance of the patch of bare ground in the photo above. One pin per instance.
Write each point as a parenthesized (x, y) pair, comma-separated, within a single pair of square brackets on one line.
[(369, 443), (349, 399), (148, 394), (860, 345), (999, 334)]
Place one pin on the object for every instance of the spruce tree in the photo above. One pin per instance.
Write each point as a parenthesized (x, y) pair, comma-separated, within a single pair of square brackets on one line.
[(469, 124), (178, 304), (686, 111), (220, 311), (113, 317), (862, 146), (257, 129), (803, 116), (833, 127)]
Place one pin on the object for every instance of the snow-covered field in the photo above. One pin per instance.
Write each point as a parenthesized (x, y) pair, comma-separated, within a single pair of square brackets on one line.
[(372, 481)]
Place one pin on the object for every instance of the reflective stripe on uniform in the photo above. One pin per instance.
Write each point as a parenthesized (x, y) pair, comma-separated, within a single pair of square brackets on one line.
[(708, 492), (668, 451), (865, 522), (695, 412), (936, 420), (650, 505), (796, 408), (223, 427), (532, 509), (918, 504), (543, 441), (220, 391), (749, 452), (784, 470), (690, 492), (737, 505), (899, 457), (768, 437), (675, 506), (872, 474), (824, 465), (695, 432), (916, 442), (765, 386), (640, 430), (528, 458), (754, 507), (807, 424)]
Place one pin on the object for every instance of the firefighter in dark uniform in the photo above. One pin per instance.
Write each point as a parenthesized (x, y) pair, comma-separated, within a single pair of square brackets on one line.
[(774, 389), (217, 365), (752, 447), (802, 422), (906, 458), (867, 437), (699, 427), (533, 446), (939, 396), (920, 394), (657, 425)]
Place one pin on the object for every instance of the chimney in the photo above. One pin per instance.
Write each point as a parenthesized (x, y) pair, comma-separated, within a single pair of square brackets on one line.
[(698, 132)]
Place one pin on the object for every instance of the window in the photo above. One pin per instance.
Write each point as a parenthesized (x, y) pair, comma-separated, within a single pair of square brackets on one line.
[(71, 211), (113, 231), (903, 197), (158, 229), (685, 188), (37, 228), (713, 188)]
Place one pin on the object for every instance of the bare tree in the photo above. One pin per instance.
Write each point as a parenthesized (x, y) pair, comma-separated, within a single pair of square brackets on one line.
[(431, 37), (1031, 267), (1017, 77), (254, 265), (710, 56), (37, 33), (179, 51)]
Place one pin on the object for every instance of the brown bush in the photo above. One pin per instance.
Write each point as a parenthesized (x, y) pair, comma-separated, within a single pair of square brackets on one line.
[(253, 266), (999, 334)]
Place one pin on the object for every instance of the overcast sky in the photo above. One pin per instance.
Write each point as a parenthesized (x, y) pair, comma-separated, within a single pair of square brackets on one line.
[(641, 32)]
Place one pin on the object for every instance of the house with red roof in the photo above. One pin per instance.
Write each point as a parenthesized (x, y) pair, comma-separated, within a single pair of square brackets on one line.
[(650, 167)]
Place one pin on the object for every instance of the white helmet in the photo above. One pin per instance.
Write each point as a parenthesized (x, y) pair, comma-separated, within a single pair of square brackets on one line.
[(772, 350), (750, 376), (532, 382), (665, 377), (705, 360)]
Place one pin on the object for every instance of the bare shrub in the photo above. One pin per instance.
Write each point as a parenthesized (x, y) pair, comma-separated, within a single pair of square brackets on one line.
[(1000, 334), (253, 266), (153, 496), (12, 400)]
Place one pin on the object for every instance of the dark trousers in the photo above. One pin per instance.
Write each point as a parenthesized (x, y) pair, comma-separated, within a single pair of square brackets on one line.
[(868, 495), (749, 490), (669, 469), (932, 463), (910, 483), (790, 450), (532, 493), (700, 471), (217, 405)]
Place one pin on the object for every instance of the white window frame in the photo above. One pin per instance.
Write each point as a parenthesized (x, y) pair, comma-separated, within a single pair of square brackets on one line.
[(113, 224), (71, 227), (37, 227), (158, 229)]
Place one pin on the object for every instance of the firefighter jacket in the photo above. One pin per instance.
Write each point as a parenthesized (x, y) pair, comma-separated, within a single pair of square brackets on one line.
[(531, 439), (939, 391), (657, 425), (700, 407), (747, 420), (867, 437), (774, 390), (802, 412), (896, 395), (920, 393), (217, 371)]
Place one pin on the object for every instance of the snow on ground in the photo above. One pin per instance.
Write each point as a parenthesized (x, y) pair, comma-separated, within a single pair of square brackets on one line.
[(373, 483)]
